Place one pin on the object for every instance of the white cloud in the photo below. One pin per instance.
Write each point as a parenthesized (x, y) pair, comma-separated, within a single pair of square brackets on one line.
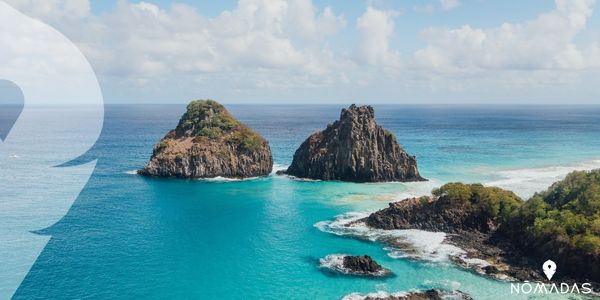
[(544, 43), (142, 39), (149, 50), (53, 9), (449, 4), (376, 28), (306, 23)]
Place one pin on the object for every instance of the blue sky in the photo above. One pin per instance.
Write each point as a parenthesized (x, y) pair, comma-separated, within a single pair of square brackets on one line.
[(299, 51)]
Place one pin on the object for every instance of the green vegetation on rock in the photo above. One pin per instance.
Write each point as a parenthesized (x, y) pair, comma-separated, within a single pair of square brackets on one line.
[(209, 142), (561, 223), (207, 119), (568, 212), (491, 202), (390, 135), (162, 145)]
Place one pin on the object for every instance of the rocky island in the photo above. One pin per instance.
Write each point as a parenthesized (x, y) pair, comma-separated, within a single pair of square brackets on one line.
[(363, 265), (512, 237), (209, 142), (354, 148)]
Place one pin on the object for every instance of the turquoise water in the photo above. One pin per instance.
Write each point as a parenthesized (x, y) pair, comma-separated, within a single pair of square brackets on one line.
[(132, 237)]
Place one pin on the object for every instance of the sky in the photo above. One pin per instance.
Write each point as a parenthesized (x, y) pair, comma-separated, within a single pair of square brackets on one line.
[(336, 51)]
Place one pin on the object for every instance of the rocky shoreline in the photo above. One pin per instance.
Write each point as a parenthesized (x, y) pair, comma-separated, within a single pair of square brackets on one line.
[(504, 260), (494, 258), (486, 251)]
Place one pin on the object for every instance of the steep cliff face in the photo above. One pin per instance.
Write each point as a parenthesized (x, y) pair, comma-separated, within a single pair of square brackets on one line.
[(210, 142), (356, 149)]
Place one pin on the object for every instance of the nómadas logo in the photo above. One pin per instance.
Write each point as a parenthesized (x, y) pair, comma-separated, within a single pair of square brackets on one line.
[(549, 267)]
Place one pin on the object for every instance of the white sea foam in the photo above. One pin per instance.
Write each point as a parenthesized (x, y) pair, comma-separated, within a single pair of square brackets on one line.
[(385, 295), (226, 179), (373, 295), (418, 188), (334, 262), (419, 244), (278, 167), (212, 179), (525, 182)]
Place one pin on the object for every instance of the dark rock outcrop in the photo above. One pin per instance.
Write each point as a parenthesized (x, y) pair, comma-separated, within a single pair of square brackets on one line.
[(353, 265), (210, 142), (363, 265), (430, 214), (356, 149)]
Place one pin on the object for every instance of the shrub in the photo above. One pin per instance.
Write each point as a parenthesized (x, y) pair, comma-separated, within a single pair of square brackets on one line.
[(569, 210), (211, 132), (493, 202), (161, 145), (390, 135), (207, 119)]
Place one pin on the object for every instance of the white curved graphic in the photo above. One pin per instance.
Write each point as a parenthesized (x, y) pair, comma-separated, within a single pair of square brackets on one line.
[(61, 119)]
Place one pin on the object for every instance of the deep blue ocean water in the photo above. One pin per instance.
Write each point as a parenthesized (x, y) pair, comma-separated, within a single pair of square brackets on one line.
[(129, 237)]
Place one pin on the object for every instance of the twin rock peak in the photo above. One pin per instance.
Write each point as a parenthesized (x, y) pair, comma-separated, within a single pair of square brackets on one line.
[(210, 142)]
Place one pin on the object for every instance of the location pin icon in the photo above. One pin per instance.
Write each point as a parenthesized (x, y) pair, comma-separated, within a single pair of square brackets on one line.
[(549, 268)]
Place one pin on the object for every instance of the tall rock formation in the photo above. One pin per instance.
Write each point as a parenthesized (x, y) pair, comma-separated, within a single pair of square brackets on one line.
[(210, 142), (355, 149)]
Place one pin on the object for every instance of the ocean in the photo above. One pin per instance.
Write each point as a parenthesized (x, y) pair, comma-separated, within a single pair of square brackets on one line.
[(131, 237)]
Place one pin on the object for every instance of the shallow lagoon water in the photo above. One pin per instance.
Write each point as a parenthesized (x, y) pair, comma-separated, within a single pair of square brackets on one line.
[(128, 236)]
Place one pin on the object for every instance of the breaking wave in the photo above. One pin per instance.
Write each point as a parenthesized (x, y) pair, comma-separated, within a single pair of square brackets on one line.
[(409, 243), (278, 167), (525, 182), (374, 295)]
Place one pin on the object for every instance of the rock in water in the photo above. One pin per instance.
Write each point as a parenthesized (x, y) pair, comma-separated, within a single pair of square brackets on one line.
[(353, 265), (210, 142), (355, 149), (363, 265)]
